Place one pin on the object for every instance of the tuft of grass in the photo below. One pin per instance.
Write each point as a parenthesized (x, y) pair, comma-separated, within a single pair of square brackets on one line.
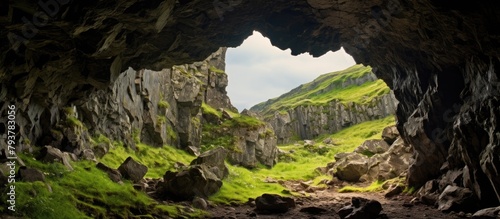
[(374, 187), (207, 109), (163, 104), (74, 122), (216, 70)]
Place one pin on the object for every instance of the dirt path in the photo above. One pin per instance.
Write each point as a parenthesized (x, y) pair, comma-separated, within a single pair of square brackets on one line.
[(397, 207)]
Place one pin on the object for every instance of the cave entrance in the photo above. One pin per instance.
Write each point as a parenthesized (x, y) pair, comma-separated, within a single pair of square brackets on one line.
[(258, 71)]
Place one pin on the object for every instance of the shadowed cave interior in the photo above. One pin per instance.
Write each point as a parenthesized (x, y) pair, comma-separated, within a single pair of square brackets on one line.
[(75, 73)]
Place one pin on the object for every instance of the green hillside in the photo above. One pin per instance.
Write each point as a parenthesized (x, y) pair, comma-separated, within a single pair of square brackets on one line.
[(327, 88)]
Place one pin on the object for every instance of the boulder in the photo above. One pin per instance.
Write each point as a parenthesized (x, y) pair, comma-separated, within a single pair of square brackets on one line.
[(214, 160), (113, 174), (200, 203), (351, 167), (394, 190), (372, 147), (133, 170), (27, 174), (101, 149), (197, 181), (273, 204), (455, 198), (390, 134), (50, 154), (361, 208), (193, 150), (88, 154), (488, 213), (428, 194)]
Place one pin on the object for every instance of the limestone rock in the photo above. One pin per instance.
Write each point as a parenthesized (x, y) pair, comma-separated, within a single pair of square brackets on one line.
[(214, 160), (50, 154), (185, 185), (390, 134), (351, 168), (444, 76), (133, 170), (273, 204), (371, 147)]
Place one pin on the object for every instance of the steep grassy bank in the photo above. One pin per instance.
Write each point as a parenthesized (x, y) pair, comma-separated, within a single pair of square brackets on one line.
[(335, 86)]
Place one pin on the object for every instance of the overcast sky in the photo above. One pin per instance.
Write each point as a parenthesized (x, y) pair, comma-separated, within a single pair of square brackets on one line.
[(257, 71)]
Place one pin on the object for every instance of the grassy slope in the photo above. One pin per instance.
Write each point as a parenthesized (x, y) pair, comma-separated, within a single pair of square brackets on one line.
[(243, 184), (88, 192), (327, 88)]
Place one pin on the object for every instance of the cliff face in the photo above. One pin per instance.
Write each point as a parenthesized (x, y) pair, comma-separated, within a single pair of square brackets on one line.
[(328, 104), (439, 57)]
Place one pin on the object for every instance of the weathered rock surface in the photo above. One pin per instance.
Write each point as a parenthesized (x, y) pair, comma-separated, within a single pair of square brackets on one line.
[(390, 134), (113, 174), (248, 144), (273, 204), (487, 213), (133, 170), (214, 160), (373, 160), (454, 198), (308, 121), (51, 154), (361, 208), (439, 57), (198, 181)]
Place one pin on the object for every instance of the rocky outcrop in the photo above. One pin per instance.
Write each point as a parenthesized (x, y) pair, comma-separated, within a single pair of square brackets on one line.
[(308, 120), (249, 141), (373, 160), (158, 107), (361, 208), (273, 204), (439, 57)]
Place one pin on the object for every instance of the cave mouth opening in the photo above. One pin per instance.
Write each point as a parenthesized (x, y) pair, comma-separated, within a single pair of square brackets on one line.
[(258, 71)]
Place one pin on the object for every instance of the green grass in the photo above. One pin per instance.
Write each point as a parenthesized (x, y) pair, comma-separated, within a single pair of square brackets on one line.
[(85, 192), (163, 104), (216, 70), (327, 88), (158, 160), (374, 187), (207, 109), (214, 135), (243, 184)]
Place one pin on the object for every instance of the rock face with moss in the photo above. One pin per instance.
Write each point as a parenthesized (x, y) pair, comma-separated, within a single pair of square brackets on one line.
[(328, 104), (249, 140), (159, 107)]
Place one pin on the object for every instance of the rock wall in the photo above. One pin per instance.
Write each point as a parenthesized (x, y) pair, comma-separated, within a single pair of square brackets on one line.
[(311, 121), (439, 57)]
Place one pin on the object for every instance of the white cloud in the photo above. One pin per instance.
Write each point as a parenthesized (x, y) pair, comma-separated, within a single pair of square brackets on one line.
[(258, 71)]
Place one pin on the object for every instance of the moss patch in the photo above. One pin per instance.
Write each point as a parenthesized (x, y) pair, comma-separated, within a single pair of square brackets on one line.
[(85, 192)]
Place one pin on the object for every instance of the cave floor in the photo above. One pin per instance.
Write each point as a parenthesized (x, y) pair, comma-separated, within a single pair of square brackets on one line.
[(332, 201)]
